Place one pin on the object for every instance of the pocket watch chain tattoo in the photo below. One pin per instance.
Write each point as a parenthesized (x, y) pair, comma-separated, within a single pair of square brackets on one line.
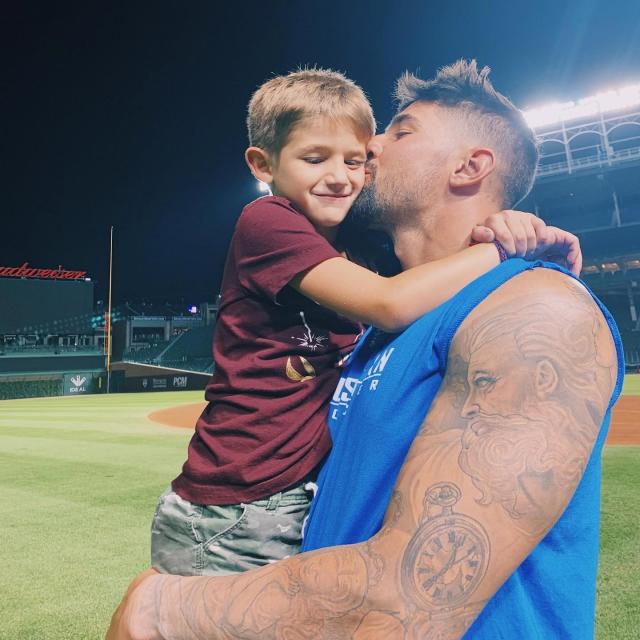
[(498, 457)]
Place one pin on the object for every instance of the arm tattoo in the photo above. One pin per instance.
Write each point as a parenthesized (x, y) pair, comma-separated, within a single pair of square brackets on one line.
[(500, 453), (532, 406), (448, 556)]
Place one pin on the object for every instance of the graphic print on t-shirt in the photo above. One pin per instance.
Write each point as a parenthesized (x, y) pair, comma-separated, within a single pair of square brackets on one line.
[(312, 341), (294, 375), (348, 387), (296, 365)]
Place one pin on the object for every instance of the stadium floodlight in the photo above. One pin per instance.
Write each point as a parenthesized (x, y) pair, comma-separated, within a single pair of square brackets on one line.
[(263, 187), (604, 102)]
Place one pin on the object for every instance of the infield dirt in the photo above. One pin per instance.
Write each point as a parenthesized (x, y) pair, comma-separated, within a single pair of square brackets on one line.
[(625, 421)]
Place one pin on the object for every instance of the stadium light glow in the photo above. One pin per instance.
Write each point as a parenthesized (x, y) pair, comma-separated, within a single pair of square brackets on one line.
[(604, 102), (263, 187)]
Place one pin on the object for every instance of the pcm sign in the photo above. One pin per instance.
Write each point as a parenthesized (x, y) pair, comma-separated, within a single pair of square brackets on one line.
[(180, 382)]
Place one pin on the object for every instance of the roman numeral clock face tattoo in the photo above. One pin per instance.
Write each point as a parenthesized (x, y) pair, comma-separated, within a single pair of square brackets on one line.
[(448, 557)]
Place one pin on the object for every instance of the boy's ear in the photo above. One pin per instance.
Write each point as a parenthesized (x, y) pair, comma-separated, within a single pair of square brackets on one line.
[(260, 164), (472, 169)]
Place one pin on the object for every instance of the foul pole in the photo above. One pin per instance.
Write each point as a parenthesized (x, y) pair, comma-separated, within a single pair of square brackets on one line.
[(108, 341)]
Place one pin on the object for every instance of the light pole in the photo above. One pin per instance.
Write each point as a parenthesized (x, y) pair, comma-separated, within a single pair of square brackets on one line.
[(108, 340)]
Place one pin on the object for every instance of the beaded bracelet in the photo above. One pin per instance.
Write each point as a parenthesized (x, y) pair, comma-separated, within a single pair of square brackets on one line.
[(501, 251)]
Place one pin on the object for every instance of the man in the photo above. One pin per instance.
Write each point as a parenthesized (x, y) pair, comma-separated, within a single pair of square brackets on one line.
[(486, 418)]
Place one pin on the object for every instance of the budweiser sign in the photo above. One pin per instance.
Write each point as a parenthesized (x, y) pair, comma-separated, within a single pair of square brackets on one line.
[(25, 271)]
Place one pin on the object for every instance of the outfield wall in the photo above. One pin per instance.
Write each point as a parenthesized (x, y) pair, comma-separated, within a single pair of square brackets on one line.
[(59, 383), (29, 388), (125, 377), (137, 377)]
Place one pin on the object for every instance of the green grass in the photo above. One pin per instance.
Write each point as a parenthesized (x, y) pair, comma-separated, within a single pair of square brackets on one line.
[(79, 479), (631, 385), (618, 613)]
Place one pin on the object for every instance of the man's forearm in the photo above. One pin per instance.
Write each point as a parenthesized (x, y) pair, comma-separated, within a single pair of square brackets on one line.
[(360, 592), (320, 594)]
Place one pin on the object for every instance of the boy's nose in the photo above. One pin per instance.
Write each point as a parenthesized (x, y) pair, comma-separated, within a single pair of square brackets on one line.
[(374, 147), (337, 177)]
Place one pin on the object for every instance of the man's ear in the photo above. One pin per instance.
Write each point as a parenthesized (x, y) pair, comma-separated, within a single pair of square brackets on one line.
[(472, 169), (260, 164), (546, 379)]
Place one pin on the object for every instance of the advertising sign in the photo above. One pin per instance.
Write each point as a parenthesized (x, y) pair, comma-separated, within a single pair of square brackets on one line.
[(165, 382), (25, 271), (76, 384)]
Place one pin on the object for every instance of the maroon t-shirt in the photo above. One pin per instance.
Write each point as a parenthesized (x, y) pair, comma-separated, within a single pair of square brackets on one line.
[(277, 355)]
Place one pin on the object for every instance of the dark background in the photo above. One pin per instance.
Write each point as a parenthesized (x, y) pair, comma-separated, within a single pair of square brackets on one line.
[(132, 114)]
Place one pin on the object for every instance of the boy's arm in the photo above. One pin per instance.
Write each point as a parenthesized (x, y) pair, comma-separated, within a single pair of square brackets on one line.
[(393, 303), (529, 377)]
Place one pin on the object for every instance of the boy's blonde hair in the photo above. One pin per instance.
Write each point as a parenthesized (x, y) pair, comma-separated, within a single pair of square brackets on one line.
[(284, 101)]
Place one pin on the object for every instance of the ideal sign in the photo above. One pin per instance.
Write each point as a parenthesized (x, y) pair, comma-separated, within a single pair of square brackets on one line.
[(78, 383)]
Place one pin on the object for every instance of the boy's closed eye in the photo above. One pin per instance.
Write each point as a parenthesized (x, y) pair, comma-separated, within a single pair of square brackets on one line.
[(356, 162)]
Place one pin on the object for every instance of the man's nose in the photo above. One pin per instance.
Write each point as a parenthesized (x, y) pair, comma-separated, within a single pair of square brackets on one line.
[(374, 147), (470, 407)]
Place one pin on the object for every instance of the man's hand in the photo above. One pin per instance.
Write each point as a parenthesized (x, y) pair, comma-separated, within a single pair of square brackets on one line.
[(524, 235), (135, 618)]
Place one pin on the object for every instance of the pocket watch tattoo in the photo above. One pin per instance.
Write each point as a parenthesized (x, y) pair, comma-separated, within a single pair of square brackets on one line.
[(447, 558)]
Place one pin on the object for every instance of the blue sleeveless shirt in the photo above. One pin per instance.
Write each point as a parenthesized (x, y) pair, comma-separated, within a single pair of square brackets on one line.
[(376, 411)]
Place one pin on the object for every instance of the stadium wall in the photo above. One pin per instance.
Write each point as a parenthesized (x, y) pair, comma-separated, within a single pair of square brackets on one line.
[(135, 377), (59, 383)]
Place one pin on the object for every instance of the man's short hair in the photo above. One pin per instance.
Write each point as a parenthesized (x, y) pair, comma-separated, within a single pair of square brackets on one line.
[(485, 112), (284, 101)]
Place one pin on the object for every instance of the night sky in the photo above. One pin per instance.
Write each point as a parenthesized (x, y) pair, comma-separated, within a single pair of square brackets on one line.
[(132, 114)]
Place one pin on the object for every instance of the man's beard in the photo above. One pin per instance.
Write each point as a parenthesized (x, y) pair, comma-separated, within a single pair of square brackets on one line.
[(395, 199), (498, 452), (368, 211)]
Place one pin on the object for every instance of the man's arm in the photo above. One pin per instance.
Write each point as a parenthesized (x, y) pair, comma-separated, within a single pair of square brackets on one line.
[(529, 377)]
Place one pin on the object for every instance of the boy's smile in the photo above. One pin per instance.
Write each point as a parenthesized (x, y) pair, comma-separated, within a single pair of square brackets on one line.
[(321, 170)]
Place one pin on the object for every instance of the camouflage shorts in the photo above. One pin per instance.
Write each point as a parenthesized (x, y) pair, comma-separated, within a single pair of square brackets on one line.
[(193, 540)]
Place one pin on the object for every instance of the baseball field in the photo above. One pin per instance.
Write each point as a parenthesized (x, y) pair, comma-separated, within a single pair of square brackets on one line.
[(79, 479)]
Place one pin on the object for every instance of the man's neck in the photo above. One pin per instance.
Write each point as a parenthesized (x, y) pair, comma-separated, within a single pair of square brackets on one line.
[(439, 232)]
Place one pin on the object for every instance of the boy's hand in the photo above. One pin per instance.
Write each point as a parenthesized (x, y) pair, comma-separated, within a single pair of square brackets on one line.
[(561, 247), (516, 231), (524, 235)]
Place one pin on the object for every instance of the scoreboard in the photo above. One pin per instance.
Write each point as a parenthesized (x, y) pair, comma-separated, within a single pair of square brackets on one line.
[(41, 306)]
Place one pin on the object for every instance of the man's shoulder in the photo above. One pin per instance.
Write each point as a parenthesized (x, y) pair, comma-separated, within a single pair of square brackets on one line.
[(541, 312), (543, 286)]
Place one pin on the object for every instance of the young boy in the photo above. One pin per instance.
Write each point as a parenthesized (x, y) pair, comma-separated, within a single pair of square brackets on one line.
[(290, 313)]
